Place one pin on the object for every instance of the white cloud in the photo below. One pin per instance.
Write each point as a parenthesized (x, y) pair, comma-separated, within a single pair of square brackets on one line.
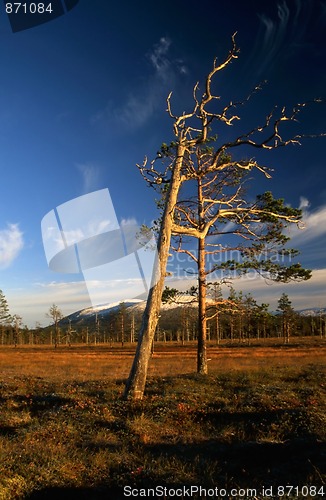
[(270, 39), (284, 33), (142, 102), (314, 224), (159, 59), (33, 303), (11, 243), (130, 221), (90, 176), (306, 294), (304, 203), (310, 293)]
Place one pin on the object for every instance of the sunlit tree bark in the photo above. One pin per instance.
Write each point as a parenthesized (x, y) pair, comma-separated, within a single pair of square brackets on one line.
[(174, 165)]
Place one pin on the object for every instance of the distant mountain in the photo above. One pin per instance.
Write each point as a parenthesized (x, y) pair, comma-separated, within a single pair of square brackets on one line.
[(103, 311), (313, 311), (86, 316)]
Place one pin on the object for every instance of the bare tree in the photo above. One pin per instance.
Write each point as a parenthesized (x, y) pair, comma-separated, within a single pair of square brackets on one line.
[(187, 137), (192, 136), (17, 324), (56, 315), (221, 209)]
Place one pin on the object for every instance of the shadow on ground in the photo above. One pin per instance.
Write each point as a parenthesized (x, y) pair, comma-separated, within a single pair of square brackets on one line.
[(266, 462), (77, 494), (248, 464)]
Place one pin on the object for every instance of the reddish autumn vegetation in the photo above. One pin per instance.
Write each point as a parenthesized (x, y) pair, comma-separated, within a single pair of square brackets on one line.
[(257, 419)]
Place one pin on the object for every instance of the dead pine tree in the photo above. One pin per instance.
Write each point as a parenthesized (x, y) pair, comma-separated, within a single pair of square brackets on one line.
[(17, 324), (56, 315), (186, 138), (191, 158)]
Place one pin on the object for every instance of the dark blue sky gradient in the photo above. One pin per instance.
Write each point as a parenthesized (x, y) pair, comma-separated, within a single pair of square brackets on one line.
[(82, 100)]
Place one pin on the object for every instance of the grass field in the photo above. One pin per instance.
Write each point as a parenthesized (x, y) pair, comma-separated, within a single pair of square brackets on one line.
[(256, 421)]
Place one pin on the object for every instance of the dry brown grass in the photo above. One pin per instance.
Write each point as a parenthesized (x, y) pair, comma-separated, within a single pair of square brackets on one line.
[(103, 362), (257, 419)]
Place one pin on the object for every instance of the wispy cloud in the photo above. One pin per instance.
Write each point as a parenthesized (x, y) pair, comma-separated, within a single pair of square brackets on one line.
[(142, 102), (70, 296), (158, 56), (90, 176), (284, 33), (130, 221), (33, 303), (304, 203), (11, 243), (314, 224), (307, 294)]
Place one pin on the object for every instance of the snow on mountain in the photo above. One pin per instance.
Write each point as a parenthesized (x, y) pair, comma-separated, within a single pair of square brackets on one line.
[(133, 305), (101, 310), (315, 311), (106, 308), (137, 305)]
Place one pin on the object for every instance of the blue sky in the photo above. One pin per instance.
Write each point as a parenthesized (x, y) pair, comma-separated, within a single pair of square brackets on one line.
[(82, 100)]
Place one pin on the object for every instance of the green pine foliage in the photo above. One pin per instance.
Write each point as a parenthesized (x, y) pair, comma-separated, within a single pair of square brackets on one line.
[(5, 317)]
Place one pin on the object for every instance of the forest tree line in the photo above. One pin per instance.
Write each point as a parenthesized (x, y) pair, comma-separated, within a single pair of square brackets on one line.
[(237, 319)]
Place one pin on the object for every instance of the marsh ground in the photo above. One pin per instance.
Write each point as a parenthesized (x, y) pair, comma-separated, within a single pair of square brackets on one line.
[(257, 420)]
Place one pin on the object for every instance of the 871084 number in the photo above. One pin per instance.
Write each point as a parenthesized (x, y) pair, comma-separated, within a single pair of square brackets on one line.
[(25, 8), (300, 491)]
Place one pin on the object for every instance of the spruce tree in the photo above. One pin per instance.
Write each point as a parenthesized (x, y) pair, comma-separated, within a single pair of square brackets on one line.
[(5, 318), (4, 310)]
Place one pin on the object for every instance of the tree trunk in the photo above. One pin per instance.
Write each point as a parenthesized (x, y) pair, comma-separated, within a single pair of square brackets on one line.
[(56, 335), (202, 318), (202, 323), (135, 385), (132, 329), (217, 327), (231, 326)]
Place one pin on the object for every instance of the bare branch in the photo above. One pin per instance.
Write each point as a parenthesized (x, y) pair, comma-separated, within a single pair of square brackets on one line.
[(179, 249), (238, 212), (274, 140), (207, 97), (180, 129)]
